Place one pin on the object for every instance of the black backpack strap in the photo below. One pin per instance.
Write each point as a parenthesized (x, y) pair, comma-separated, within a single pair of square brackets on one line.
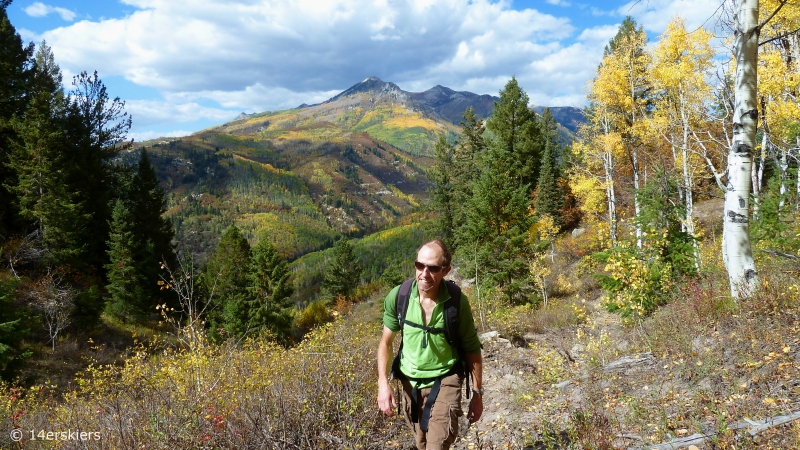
[(451, 308), (401, 307), (401, 302), (451, 327)]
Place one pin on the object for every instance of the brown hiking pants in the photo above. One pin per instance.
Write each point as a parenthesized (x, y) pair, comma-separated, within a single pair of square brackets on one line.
[(443, 425)]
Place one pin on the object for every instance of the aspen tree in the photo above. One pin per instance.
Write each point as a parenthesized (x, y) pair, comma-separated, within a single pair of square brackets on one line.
[(778, 86), (622, 85), (681, 62), (736, 250)]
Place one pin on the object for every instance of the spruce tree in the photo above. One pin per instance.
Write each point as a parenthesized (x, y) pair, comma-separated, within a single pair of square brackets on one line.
[(516, 126), (471, 146), (126, 300), (441, 190), (43, 197), (494, 236), (150, 226), (13, 351), (16, 70), (343, 272), (271, 288), (549, 195), (227, 277)]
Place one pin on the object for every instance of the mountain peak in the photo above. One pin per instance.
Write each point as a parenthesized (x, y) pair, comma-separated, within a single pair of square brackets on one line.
[(374, 86)]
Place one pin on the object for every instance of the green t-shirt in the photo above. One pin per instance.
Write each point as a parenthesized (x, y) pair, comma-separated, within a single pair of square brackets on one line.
[(437, 357)]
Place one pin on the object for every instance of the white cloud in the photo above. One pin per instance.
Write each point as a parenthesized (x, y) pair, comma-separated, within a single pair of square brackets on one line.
[(200, 46), (255, 55), (39, 9), (151, 112), (559, 2), (654, 15), (255, 98)]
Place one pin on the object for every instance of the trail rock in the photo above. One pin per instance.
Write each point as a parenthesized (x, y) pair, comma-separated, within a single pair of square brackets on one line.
[(627, 362)]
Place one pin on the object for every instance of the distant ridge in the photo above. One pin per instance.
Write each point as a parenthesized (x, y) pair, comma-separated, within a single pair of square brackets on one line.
[(448, 103)]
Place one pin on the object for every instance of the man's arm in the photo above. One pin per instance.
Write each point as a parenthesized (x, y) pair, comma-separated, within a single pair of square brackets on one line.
[(386, 400), (475, 366)]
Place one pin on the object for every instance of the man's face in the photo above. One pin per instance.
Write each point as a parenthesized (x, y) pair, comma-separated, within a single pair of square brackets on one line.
[(428, 280)]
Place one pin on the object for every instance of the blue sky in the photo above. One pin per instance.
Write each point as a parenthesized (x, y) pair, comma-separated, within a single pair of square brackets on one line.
[(184, 65)]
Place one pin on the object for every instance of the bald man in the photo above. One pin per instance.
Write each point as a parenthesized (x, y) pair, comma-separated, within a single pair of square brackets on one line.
[(432, 374)]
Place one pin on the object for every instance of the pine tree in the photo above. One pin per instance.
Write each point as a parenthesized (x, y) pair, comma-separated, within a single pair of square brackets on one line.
[(95, 128), (517, 127), (227, 277), (343, 272), (271, 290), (16, 69), (126, 300), (549, 195)]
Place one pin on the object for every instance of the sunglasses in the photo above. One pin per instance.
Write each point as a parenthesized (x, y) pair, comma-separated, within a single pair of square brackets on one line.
[(432, 269)]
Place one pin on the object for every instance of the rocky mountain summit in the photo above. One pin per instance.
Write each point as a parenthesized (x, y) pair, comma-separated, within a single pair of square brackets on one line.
[(439, 102)]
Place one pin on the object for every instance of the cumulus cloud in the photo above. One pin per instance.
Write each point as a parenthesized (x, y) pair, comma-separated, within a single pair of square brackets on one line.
[(255, 55), (151, 112), (39, 9), (304, 46), (654, 15)]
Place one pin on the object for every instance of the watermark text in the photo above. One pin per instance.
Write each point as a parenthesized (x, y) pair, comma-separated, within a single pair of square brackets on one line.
[(19, 434)]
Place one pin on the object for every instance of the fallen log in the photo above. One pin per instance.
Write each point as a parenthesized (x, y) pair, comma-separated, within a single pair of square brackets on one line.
[(752, 427)]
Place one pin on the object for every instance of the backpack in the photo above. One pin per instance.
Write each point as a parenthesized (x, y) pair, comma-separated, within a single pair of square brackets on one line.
[(450, 330)]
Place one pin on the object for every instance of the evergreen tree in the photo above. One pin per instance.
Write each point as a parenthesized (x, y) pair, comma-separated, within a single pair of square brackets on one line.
[(470, 147), (95, 128), (517, 127), (43, 197), (494, 236), (150, 226), (16, 69), (271, 289), (343, 272), (441, 190), (227, 277), (126, 300), (12, 332), (626, 28), (549, 195)]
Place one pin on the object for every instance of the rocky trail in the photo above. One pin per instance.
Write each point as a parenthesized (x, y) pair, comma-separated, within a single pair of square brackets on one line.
[(597, 386)]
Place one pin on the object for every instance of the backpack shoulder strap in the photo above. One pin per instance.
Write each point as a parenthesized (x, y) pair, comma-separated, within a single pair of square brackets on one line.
[(401, 302), (451, 308)]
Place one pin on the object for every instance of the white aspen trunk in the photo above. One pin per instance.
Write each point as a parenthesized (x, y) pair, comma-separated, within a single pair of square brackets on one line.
[(612, 199), (635, 156), (737, 252), (688, 183), (636, 206), (608, 165), (680, 187), (797, 189)]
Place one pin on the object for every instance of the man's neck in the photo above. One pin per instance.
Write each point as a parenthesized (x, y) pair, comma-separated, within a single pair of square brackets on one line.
[(433, 294)]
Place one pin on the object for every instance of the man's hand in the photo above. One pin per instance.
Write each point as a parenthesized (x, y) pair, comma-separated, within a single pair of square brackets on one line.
[(475, 408), (386, 400)]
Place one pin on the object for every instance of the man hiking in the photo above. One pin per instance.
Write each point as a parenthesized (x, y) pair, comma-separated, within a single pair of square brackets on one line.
[(440, 348)]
